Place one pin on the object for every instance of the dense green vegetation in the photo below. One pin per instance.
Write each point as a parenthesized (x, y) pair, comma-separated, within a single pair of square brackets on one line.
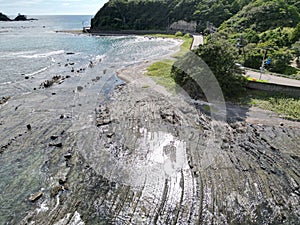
[(132, 15), (228, 74), (266, 30), (278, 45), (224, 68), (296, 50), (259, 15), (159, 14), (262, 15)]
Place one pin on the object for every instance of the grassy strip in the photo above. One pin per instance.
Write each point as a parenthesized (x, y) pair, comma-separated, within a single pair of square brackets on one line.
[(163, 36), (161, 74), (287, 107), (184, 48), (161, 71)]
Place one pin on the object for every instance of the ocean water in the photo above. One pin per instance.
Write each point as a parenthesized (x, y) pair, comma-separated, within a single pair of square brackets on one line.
[(30, 46), (32, 52)]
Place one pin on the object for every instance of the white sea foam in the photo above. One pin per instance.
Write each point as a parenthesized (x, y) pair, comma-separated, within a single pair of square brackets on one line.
[(15, 54), (6, 83), (43, 55), (99, 58), (4, 30), (29, 54), (75, 220), (43, 207), (37, 72)]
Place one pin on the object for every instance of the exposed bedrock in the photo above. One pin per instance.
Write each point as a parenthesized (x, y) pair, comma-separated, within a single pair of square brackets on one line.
[(151, 159)]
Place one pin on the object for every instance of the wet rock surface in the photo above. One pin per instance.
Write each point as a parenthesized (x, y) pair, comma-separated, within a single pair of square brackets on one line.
[(36, 196), (55, 80), (152, 159), (4, 100), (225, 174), (138, 156)]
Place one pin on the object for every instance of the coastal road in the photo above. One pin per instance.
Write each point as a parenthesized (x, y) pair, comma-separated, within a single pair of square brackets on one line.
[(274, 79), (198, 40)]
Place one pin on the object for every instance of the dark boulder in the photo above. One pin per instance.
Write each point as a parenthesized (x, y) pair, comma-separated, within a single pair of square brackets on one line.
[(4, 17), (21, 17)]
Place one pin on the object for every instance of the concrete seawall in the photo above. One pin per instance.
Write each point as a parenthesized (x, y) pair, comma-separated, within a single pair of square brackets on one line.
[(278, 88)]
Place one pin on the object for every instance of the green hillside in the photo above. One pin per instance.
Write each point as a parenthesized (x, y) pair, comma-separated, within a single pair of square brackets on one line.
[(158, 14), (262, 15), (266, 29), (129, 15), (259, 15)]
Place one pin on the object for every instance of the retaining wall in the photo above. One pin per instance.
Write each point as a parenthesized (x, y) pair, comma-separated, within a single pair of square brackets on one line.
[(277, 88)]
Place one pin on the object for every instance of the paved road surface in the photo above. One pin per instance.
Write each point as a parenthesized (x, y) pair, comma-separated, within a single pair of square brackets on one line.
[(274, 79), (198, 40)]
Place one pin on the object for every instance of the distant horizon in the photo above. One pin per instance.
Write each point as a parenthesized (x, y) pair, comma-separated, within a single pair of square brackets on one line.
[(51, 7), (48, 14)]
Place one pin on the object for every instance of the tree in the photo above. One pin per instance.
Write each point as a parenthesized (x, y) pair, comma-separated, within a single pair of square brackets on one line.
[(220, 56), (281, 60), (296, 34), (251, 36)]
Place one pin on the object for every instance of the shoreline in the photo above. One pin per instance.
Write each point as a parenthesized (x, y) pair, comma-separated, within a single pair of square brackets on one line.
[(136, 74)]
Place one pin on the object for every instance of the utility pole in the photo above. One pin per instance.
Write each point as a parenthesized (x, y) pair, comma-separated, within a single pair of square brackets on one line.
[(240, 45), (262, 68), (124, 21)]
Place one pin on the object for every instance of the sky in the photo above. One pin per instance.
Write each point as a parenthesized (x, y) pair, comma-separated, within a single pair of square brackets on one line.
[(51, 7)]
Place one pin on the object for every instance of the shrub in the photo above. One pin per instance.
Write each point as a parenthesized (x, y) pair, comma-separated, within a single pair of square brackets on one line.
[(253, 60), (187, 35), (296, 50), (179, 34), (281, 61), (296, 34), (251, 36)]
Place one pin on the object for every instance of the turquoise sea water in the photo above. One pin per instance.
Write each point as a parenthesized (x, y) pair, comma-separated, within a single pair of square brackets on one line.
[(32, 52)]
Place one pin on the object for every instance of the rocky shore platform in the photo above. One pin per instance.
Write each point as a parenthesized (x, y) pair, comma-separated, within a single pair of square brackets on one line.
[(145, 156)]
